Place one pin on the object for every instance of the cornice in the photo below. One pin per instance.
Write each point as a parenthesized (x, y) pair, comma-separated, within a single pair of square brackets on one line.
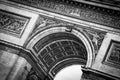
[(113, 3), (79, 10)]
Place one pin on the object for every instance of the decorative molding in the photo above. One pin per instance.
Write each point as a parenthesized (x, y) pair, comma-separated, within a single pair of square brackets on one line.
[(107, 2), (112, 57), (104, 61), (96, 36), (11, 23), (82, 11)]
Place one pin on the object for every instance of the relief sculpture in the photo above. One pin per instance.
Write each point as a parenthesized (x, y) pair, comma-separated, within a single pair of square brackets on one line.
[(45, 21), (12, 24), (81, 11), (96, 38)]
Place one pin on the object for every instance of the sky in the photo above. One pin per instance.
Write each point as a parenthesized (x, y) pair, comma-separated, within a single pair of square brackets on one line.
[(69, 73)]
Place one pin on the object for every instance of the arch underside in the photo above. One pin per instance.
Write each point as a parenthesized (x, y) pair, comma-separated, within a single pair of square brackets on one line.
[(58, 48), (53, 35)]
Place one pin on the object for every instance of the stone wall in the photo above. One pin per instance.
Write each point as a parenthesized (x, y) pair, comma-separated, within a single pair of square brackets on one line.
[(12, 66), (19, 21)]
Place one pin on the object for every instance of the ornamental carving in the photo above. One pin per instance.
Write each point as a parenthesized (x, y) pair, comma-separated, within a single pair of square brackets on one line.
[(113, 54), (79, 10), (45, 21), (96, 37), (11, 23)]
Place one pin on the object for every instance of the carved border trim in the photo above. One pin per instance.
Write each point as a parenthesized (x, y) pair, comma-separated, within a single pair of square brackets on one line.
[(112, 56), (99, 15)]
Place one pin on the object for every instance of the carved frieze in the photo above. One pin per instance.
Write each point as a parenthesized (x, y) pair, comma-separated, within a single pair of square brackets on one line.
[(78, 10), (11, 23)]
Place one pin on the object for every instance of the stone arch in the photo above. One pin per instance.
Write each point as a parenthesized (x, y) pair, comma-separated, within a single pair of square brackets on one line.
[(36, 45), (63, 64)]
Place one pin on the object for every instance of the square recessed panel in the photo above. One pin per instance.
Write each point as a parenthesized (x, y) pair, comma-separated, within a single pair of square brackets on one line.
[(112, 57), (108, 58), (16, 23)]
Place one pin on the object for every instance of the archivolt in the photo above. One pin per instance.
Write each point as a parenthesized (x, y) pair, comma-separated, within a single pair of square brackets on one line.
[(77, 33)]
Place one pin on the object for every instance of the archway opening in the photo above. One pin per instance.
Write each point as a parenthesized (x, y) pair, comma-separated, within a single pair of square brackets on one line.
[(72, 72), (57, 49)]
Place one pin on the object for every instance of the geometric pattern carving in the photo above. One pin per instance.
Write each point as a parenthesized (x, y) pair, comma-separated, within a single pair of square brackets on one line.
[(112, 57), (59, 46), (60, 49), (83, 11), (96, 36), (11, 23), (115, 54)]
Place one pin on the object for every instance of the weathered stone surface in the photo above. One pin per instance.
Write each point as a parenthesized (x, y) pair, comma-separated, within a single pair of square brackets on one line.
[(7, 61), (11, 23), (107, 17)]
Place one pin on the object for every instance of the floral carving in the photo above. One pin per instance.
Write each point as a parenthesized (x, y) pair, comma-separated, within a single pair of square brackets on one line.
[(11, 23)]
